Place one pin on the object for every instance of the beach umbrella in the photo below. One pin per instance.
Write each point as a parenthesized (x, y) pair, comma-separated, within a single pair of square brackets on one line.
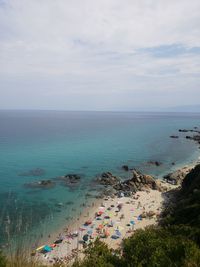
[(139, 218), (100, 226), (85, 238), (47, 249), (100, 212), (40, 248), (117, 232), (98, 219), (88, 222), (132, 222)]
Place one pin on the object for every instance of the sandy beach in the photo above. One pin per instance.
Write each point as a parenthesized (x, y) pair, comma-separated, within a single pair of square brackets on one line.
[(110, 219)]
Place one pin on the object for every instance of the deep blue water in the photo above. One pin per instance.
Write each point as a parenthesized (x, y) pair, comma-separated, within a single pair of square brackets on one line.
[(86, 143)]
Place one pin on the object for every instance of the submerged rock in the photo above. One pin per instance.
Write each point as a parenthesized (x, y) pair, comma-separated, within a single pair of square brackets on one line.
[(156, 163), (70, 179), (69, 203), (125, 167), (73, 178), (34, 172), (41, 184), (174, 136)]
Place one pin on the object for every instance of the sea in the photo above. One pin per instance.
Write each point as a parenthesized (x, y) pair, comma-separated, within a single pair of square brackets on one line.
[(45, 145)]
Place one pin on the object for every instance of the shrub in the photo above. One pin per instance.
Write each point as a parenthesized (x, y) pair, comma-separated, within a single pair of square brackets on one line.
[(157, 247), (2, 260), (99, 255)]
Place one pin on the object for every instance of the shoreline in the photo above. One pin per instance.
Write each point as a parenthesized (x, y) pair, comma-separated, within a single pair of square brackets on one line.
[(92, 203), (151, 201)]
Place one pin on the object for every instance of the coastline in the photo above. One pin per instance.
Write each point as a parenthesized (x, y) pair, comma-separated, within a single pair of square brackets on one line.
[(149, 202), (92, 203)]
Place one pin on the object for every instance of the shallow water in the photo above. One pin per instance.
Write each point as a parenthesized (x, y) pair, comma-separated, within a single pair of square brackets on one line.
[(86, 143)]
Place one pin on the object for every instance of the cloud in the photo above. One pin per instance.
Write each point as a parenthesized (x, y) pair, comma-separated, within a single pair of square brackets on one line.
[(88, 48)]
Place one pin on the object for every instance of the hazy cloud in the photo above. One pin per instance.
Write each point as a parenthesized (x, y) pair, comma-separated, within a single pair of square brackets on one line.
[(106, 54)]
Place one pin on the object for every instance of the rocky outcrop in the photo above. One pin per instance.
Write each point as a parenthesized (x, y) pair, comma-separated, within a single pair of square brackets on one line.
[(138, 182), (70, 179), (191, 183), (73, 178), (41, 184), (183, 130), (196, 138), (192, 130), (107, 178), (176, 177)]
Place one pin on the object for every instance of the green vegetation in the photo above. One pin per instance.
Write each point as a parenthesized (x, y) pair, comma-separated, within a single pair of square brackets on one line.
[(175, 243), (158, 247), (184, 217), (2, 260)]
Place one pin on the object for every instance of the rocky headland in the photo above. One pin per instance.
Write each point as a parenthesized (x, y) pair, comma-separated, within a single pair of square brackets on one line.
[(128, 187)]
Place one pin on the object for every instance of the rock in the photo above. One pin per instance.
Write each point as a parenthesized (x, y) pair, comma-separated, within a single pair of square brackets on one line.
[(151, 213), (176, 177), (107, 178), (156, 163), (73, 178), (183, 130), (125, 167), (138, 182), (70, 179), (195, 138), (174, 136), (192, 181), (41, 184)]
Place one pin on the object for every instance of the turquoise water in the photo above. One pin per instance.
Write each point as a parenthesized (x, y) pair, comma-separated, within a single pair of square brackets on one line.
[(85, 143)]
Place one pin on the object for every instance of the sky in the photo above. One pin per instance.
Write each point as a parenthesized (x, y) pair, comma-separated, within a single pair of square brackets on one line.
[(99, 54)]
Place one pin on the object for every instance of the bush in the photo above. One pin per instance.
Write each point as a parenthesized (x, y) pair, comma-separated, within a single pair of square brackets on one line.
[(157, 247), (99, 255), (2, 260)]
